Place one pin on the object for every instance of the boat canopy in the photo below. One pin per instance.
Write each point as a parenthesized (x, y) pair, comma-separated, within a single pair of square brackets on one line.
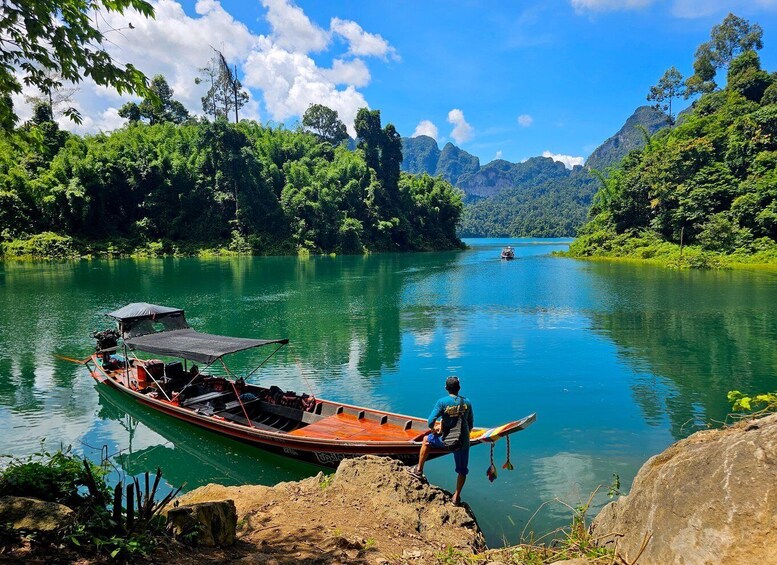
[(164, 331), (195, 346), (138, 310), (141, 318)]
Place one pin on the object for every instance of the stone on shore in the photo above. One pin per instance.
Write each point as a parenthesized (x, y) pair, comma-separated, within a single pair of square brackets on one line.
[(211, 524), (33, 515), (708, 499)]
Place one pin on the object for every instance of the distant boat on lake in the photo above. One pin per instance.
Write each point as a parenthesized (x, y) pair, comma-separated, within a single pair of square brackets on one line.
[(508, 253), (300, 426)]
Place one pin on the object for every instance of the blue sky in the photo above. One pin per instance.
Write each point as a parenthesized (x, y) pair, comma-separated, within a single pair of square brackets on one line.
[(499, 79)]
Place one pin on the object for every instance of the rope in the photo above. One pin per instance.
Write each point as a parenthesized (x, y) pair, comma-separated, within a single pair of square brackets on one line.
[(491, 471), (508, 465), (277, 349), (237, 394), (304, 378)]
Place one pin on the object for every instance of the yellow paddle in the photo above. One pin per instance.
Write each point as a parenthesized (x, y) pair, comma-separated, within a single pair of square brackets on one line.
[(79, 361)]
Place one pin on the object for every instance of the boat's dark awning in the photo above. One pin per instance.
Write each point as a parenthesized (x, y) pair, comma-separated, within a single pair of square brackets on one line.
[(195, 346)]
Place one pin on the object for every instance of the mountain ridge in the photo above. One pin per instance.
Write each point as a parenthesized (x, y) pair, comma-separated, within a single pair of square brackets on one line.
[(538, 197)]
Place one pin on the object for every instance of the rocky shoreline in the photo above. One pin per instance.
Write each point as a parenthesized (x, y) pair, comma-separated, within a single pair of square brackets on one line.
[(708, 499)]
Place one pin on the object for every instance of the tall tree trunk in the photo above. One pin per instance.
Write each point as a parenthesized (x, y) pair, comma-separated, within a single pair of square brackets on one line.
[(234, 90)]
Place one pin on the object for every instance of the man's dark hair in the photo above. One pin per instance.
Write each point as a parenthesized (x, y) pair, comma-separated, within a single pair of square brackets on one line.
[(452, 385)]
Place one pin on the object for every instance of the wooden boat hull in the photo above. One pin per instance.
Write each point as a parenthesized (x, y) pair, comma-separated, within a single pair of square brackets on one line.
[(338, 432)]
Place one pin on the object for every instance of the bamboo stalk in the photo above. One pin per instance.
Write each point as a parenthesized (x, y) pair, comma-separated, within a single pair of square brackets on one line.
[(91, 485), (130, 507), (146, 499), (138, 497), (117, 507)]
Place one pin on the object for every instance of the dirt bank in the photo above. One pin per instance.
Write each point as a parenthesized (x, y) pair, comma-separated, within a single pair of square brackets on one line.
[(369, 511)]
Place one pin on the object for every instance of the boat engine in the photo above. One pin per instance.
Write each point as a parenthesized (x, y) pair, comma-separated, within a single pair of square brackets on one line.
[(106, 339)]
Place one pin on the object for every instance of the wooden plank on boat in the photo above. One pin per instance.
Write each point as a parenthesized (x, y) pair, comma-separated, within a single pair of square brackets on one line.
[(348, 426), (205, 397), (288, 412), (239, 419)]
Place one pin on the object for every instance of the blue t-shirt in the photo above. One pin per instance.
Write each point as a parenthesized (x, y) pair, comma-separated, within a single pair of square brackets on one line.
[(447, 409)]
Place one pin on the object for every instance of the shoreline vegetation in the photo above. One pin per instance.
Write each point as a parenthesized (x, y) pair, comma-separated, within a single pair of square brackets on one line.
[(50, 246), (215, 188), (647, 249), (701, 193)]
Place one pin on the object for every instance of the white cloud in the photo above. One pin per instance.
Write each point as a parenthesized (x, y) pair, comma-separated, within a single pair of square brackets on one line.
[(568, 160), (353, 72), (462, 131), (291, 82), (176, 46), (361, 43), (276, 67), (498, 154), (525, 120), (291, 28), (426, 127), (608, 5)]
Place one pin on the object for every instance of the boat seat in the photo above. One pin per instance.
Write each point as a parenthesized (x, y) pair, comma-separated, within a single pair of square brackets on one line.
[(235, 404), (288, 412), (205, 397), (240, 419)]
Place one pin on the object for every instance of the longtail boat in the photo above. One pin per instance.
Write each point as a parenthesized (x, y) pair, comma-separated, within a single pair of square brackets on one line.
[(300, 426)]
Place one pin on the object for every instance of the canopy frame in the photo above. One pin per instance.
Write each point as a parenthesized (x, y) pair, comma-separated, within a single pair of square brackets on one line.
[(195, 346)]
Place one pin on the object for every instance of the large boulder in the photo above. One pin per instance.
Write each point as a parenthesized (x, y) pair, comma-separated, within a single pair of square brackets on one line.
[(33, 515), (210, 524), (708, 499)]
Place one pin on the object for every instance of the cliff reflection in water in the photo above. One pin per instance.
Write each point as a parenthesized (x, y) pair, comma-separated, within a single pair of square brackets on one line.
[(690, 336)]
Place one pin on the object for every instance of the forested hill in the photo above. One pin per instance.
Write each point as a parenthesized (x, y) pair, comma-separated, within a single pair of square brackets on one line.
[(709, 183), (166, 187), (536, 198), (549, 204)]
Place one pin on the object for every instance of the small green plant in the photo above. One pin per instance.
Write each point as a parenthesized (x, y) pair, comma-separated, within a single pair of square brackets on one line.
[(55, 477), (192, 537), (756, 405), (122, 524), (453, 556), (615, 486), (326, 481)]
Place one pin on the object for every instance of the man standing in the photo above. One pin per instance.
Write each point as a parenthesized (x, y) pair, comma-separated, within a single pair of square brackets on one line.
[(450, 433)]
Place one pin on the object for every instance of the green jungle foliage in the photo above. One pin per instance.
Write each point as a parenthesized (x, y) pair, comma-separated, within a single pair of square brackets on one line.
[(167, 187), (755, 405), (709, 183), (49, 42)]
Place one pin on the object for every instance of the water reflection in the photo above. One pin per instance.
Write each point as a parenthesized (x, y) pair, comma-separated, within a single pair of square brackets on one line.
[(179, 448), (690, 336)]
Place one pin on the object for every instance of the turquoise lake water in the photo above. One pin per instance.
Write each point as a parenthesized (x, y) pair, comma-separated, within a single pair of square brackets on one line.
[(618, 361)]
